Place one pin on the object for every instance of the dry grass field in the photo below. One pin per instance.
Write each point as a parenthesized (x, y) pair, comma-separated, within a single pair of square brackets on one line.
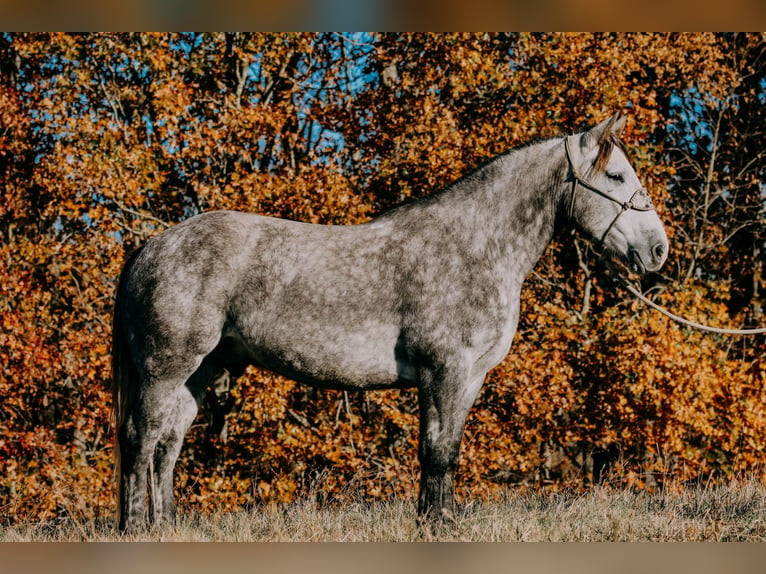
[(731, 512)]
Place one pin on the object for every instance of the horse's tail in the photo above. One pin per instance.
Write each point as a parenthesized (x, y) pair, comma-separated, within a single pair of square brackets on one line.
[(124, 384)]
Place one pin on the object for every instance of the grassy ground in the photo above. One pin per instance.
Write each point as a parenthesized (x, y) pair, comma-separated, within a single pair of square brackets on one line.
[(732, 512)]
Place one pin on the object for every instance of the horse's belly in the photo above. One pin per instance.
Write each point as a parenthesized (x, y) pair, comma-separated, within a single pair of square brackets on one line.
[(364, 357)]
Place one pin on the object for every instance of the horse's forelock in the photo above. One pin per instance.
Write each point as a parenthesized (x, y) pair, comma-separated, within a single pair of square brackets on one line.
[(605, 152)]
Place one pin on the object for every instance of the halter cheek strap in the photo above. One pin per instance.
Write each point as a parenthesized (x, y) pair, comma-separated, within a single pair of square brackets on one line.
[(639, 201)]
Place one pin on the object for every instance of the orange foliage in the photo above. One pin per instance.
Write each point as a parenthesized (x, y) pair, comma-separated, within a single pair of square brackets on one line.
[(107, 139)]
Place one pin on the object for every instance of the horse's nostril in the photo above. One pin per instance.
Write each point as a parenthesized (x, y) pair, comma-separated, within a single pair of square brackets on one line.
[(658, 251)]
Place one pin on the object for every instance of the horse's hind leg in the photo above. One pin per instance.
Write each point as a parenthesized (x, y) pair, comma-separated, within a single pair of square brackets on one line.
[(139, 434), (184, 406), (132, 481), (166, 453)]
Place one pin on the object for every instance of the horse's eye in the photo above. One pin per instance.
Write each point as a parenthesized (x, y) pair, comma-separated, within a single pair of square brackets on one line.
[(618, 177)]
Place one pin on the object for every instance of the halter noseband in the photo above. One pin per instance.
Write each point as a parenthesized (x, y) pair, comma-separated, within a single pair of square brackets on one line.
[(639, 201)]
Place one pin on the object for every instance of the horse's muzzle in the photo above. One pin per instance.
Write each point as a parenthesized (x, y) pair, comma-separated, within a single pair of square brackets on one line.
[(648, 260)]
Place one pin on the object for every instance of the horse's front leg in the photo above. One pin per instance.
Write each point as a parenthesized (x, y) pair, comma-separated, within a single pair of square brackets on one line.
[(444, 404)]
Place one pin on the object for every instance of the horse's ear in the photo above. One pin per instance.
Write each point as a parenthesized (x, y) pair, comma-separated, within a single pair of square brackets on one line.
[(610, 126), (618, 126)]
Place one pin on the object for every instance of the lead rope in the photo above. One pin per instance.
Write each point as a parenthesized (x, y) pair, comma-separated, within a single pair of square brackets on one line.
[(630, 287)]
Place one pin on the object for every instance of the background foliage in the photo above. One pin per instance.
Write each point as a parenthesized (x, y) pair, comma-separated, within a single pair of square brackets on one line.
[(107, 139)]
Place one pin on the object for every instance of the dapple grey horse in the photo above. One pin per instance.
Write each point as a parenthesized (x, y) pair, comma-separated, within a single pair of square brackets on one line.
[(424, 296)]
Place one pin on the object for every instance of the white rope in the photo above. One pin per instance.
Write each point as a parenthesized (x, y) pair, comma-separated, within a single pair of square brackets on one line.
[(630, 287)]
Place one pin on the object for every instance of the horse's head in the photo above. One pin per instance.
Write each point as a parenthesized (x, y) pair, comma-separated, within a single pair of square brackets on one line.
[(607, 201)]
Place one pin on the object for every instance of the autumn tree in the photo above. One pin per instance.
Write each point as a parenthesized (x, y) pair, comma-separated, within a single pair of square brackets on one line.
[(108, 139)]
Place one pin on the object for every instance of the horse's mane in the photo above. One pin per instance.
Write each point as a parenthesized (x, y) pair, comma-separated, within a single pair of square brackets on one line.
[(602, 159)]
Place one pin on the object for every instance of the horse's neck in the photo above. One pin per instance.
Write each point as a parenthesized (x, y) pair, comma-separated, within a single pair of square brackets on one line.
[(510, 205)]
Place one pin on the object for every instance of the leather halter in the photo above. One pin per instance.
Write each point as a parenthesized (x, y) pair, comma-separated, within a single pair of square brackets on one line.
[(639, 201)]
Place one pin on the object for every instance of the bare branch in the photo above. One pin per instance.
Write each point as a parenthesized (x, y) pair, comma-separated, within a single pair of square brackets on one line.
[(141, 215)]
